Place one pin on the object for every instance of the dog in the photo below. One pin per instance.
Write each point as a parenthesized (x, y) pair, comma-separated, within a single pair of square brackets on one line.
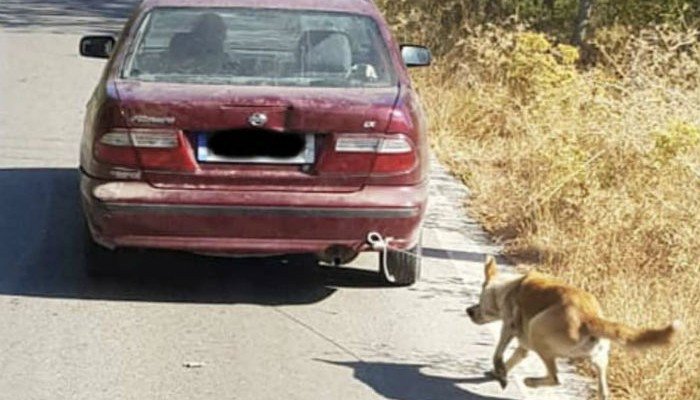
[(553, 320)]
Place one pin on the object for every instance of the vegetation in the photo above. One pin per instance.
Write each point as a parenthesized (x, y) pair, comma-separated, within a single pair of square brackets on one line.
[(584, 161)]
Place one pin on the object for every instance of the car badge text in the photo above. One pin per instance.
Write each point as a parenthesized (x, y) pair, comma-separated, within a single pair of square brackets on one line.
[(146, 119)]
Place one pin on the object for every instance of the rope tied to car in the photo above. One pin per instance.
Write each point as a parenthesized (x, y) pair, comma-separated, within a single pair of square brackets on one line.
[(381, 244)]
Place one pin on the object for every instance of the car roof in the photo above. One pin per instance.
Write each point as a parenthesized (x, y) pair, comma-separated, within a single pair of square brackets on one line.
[(352, 6)]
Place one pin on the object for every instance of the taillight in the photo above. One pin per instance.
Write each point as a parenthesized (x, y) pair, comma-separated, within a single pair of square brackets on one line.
[(141, 138), (394, 146), (146, 148), (356, 145), (117, 139), (394, 153), (155, 140), (115, 148)]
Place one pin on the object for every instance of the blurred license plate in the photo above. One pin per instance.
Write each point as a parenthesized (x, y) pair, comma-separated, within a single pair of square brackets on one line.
[(256, 148)]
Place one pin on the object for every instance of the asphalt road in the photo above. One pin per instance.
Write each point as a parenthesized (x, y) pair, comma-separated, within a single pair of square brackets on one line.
[(179, 326)]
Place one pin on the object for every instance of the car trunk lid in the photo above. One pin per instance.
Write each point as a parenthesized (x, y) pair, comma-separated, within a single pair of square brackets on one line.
[(256, 137)]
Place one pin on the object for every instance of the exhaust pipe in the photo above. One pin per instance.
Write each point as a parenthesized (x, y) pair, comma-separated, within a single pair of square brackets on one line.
[(338, 254)]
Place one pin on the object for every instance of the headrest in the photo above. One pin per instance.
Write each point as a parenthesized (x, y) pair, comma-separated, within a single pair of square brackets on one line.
[(325, 51)]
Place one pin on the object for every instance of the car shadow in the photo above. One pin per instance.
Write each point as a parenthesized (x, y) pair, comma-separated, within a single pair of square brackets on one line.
[(62, 15), (42, 254), (408, 381)]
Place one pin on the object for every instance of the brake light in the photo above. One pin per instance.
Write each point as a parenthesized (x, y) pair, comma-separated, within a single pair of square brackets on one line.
[(146, 148), (394, 153), (115, 148), (389, 164)]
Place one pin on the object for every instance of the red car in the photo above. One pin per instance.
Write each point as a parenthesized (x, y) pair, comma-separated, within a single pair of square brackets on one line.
[(256, 127)]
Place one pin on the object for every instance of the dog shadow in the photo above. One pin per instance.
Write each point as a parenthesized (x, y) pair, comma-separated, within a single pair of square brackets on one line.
[(408, 381)]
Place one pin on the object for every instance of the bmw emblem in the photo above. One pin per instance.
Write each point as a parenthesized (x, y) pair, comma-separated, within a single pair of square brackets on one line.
[(257, 120)]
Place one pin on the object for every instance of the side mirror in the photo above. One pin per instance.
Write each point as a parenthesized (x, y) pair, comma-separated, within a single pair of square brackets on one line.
[(416, 56), (97, 46)]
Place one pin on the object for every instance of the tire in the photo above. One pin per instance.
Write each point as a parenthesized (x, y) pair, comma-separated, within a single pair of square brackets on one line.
[(404, 266)]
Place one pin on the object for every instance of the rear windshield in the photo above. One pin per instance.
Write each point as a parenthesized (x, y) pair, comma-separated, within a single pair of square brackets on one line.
[(244, 46)]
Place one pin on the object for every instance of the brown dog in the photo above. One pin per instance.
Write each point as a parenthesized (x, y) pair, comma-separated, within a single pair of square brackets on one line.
[(554, 320)]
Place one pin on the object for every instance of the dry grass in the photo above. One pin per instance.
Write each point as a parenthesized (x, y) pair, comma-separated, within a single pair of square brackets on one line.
[(593, 176)]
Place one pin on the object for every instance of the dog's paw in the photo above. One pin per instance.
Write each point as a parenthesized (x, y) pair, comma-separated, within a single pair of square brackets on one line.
[(532, 382), (499, 368), (500, 373), (503, 381)]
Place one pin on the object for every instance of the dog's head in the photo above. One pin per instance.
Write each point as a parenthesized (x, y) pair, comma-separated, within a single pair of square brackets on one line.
[(488, 309)]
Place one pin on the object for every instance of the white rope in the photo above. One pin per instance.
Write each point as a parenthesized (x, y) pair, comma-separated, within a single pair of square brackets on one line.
[(379, 243)]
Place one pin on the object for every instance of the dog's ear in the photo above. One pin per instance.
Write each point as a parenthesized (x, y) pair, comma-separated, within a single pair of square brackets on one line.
[(490, 268)]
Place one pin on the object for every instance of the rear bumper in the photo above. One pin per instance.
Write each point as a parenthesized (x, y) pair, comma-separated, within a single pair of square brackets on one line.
[(135, 214)]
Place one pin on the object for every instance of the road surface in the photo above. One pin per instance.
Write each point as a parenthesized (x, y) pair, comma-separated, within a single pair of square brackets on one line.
[(185, 326)]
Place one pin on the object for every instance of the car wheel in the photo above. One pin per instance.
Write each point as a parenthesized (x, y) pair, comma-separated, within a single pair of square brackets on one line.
[(403, 266)]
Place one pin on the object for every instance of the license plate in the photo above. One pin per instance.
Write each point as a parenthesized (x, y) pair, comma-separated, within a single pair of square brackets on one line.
[(206, 154)]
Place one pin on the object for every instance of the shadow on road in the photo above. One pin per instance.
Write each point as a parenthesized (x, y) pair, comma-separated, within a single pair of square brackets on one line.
[(42, 254), (59, 15), (408, 382), (459, 255)]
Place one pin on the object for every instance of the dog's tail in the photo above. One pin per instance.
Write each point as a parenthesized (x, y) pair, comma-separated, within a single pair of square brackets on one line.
[(631, 336)]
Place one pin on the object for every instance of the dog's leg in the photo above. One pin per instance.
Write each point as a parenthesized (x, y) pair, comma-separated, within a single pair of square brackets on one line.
[(499, 367), (519, 355), (599, 358), (551, 379)]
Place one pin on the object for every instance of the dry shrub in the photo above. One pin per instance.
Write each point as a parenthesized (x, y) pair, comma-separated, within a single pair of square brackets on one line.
[(433, 23), (593, 175), (657, 51)]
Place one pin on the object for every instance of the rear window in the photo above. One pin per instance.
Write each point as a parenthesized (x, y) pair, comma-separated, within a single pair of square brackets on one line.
[(244, 46)]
